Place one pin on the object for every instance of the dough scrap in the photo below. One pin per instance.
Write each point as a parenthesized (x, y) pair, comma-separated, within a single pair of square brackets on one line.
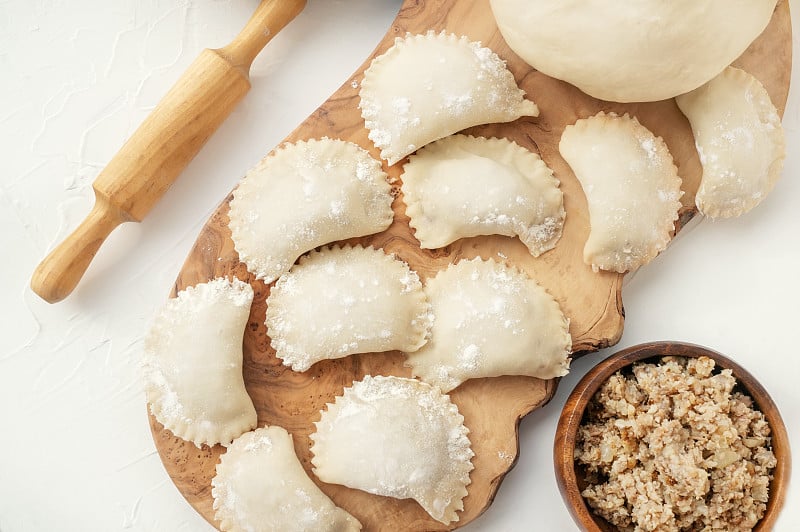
[(341, 301), (260, 486), (463, 186), (631, 185), (490, 320), (639, 51), (428, 86), (303, 196), (740, 140), (193, 363), (396, 437)]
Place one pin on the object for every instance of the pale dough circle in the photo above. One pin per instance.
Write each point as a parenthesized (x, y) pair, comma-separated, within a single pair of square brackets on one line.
[(628, 51)]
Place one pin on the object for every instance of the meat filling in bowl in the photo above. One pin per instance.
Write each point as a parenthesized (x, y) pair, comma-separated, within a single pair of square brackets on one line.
[(675, 446)]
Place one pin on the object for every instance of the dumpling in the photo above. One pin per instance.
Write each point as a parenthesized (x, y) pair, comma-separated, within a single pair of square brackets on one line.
[(428, 86), (305, 195), (260, 486), (634, 51), (341, 301), (490, 320), (740, 140), (632, 189), (462, 186), (193, 363), (396, 437)]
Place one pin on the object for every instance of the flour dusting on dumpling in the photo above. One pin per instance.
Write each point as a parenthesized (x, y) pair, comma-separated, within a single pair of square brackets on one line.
[(344, 300), (740, 140), (463, 186), (631, 185), (193, 363), (306, 195), (399, 438), (260, 486), (428, 86), (490, 320)]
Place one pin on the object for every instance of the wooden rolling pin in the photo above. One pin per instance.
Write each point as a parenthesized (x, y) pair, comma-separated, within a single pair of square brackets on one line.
[(162, 146)]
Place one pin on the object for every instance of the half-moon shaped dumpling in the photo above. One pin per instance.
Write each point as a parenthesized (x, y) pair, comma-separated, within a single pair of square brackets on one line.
[(193, 363), (305, 195), (428, 86), (631, 185), (638, 51), (740, 140), (341, 301), (490, 320), (396, 437), (462, 186), (260, 486)]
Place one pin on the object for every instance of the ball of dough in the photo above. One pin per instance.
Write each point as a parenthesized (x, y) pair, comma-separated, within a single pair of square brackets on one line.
[(631, 51)]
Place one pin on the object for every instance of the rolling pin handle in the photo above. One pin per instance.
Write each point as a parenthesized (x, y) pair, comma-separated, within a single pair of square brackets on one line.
[(58, 274), (269, 18)]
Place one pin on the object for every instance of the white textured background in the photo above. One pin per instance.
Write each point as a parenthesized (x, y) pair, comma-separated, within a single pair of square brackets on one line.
[(77, 77)]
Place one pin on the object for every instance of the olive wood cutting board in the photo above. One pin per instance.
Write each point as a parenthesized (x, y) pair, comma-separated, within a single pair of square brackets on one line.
[(492, 408)]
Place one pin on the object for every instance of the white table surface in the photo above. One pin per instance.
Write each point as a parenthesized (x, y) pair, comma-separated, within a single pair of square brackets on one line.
[(76, 78)]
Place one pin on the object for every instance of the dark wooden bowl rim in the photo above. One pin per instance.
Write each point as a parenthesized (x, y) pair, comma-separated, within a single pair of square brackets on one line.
[(571, 415)]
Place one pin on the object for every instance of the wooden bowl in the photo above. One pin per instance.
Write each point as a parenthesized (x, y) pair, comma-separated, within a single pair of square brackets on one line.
[(570, 479)]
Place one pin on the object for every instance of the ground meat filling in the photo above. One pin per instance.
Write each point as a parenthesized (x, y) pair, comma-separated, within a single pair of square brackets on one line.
[(672, 446)]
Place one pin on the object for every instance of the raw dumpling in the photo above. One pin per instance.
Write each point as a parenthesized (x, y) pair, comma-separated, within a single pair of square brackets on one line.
[(633, 51), (396, 437), (341, 301), (426, 87), (261, 486), (740, 141), (305, 195), (463, 186), (490, 320), (631, 185), (193, 363)]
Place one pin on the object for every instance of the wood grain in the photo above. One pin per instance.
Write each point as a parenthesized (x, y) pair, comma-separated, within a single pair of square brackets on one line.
[(492, 408), (570, 479)]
